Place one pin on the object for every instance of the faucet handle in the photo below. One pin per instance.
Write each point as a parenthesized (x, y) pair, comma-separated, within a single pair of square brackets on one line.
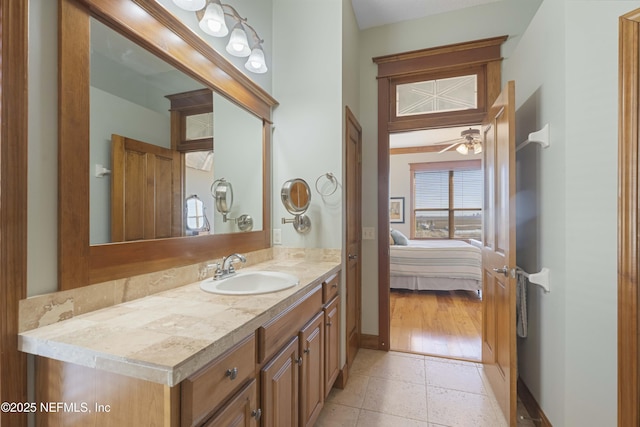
[(218, 272)]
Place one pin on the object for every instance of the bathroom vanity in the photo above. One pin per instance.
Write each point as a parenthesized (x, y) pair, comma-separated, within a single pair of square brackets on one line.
[(185, 357)]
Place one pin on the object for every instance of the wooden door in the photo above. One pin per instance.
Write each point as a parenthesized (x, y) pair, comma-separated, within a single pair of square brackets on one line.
[(312, 371), (331, 344), (241, 411), (499, 252), (146, 191), (353, 188), (279, 388)]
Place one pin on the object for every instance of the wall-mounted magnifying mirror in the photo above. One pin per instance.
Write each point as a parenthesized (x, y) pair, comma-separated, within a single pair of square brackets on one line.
[(296, 196)]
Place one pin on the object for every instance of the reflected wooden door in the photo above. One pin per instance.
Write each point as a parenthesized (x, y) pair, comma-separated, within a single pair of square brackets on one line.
[(353, 185), (146, 191), (499, 252)]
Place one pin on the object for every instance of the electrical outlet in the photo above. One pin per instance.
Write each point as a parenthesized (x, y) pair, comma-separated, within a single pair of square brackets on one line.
[(368, 233), (277, 236)]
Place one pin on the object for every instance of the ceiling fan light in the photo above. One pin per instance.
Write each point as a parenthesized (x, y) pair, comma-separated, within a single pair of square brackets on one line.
[(190, 5), (256, 62), (463, 149), (477, 148), (213, 22), (238, 44)]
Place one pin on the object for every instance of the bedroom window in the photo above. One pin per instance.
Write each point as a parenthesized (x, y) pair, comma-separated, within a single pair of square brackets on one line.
[(447, 200)]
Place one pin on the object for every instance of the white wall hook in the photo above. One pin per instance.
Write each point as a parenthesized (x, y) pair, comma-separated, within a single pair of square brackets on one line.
[(540, 137), (541, 278), (101, 171)]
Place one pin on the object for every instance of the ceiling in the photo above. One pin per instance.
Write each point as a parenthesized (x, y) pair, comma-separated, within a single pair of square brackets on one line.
[(372, 13)]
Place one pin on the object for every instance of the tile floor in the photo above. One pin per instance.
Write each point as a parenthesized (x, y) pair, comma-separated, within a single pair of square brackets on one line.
[(390, 389)]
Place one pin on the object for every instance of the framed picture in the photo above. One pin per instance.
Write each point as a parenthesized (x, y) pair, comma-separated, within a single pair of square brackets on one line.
[(396, 209)]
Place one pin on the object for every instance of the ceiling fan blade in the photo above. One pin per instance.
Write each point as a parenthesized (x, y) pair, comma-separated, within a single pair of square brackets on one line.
[(448, 141), (449, 147)]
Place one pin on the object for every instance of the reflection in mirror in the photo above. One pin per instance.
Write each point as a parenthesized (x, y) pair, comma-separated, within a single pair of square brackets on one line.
[(196, 216), (128, 97)]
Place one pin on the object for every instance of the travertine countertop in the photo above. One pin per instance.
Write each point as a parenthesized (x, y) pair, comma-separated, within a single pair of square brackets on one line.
[(168, 336)]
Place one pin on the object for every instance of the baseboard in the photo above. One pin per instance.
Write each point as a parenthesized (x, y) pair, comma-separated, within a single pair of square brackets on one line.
[(371, 342), (529, 402), (343, 377)]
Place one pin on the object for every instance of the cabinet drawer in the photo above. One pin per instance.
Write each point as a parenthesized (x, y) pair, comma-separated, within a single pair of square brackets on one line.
[(207, 389), (330, 288), (279, 330)]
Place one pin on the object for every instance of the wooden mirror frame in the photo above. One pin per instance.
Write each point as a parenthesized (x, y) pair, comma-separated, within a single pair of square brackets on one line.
[(151, 26)]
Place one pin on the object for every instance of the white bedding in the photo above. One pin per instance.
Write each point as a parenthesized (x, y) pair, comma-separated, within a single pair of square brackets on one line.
[(436, 265)]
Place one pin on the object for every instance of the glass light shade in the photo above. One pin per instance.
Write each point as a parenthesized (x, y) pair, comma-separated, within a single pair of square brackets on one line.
[(213, 22), (190, 5), (462, 149), (238, 45), (477, 148), (256, 62)]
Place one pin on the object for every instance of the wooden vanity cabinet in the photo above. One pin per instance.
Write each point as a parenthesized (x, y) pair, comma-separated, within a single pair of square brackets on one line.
[(331, 343), (312, 370), (279, 387), (276, 377), (206, 392), (241, 411)]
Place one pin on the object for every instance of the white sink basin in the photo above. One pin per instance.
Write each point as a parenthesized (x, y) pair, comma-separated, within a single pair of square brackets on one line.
[(250, 283)]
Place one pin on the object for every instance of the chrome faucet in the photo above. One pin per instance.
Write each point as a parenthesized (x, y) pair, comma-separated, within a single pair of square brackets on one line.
[(227, 268)]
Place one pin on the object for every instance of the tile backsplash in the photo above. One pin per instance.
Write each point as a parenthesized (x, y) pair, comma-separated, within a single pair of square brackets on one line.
[(46, 309)]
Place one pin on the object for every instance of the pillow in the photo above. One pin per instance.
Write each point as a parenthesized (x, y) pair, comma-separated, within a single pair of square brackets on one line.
[(391, 242), (399, 238)]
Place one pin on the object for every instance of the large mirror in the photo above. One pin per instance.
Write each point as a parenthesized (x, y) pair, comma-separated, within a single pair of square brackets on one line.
[(130, 95), (122, 64)]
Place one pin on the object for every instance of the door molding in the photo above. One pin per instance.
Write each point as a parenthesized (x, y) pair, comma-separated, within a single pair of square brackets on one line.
[(13, 201), (484, 54), (628, 216)]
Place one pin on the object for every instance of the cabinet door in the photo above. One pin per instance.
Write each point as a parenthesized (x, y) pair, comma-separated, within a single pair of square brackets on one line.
[(279, 388), (242, 410), (331, 344), (312, 370)]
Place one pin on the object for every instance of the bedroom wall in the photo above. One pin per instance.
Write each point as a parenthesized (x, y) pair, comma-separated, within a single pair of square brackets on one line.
[(400, 178)]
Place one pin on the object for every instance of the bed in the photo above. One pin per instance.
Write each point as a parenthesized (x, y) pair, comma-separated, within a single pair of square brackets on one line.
[(436, 265)]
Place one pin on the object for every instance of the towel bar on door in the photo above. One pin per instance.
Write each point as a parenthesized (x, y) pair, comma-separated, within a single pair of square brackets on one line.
[(541, 279)]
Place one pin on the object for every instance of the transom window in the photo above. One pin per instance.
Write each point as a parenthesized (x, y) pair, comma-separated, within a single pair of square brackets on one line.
[(447, 200), (437, 96)]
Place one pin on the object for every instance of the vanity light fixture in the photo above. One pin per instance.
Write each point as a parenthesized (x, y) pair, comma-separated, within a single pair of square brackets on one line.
[(212, 21), (190, 5), (244, 40)]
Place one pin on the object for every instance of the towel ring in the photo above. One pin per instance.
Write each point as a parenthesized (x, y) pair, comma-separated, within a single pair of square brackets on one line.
[(331, 177)]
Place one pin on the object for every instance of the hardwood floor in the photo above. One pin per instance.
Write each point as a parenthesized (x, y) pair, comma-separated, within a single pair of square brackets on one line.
[(437, 323)]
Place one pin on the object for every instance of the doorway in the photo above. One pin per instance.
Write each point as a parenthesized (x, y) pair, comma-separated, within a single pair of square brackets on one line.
[(436, 184)]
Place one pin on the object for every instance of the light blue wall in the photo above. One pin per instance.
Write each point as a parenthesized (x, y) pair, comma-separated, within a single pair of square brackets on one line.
[(307, 136), (567, 76), (539, 69)]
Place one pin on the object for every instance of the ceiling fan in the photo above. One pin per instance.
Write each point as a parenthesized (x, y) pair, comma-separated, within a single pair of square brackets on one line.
[(469, 142)]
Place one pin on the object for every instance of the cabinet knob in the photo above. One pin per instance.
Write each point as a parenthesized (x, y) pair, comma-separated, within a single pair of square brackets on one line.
[(256, 413), (299, 361), (307, 351), (329, 323), (232, 373)]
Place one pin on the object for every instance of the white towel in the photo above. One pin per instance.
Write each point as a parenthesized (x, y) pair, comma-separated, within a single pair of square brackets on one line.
[(521, 306)]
